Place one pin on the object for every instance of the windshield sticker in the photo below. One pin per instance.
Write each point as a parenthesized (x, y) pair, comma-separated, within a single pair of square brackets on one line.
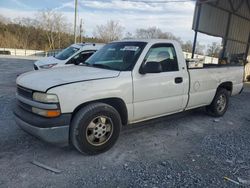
[(130, 48)]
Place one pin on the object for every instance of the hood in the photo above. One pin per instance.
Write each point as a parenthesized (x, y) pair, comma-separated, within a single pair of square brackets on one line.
[(47, 60), (42, 80)]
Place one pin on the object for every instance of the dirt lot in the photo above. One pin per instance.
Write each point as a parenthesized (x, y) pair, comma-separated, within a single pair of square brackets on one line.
[(186, 150)]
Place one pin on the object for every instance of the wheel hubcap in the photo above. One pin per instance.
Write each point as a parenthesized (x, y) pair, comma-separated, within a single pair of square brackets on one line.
[(99, 130), (221, 103)]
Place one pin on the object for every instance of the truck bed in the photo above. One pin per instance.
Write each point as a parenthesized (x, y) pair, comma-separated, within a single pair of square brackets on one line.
[(205, 81)]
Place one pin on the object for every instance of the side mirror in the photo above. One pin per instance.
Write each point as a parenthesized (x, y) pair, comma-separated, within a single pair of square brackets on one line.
[(77, 61), (73, 61), (151, 67)]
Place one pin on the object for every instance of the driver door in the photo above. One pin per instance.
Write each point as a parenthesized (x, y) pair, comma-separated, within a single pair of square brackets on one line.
[(157, 94)]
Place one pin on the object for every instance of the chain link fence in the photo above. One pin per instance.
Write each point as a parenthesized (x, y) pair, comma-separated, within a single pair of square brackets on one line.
[(26, 52)]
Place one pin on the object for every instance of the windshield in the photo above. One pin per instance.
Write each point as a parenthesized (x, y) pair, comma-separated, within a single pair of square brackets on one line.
[(66, 53), (120, 56)]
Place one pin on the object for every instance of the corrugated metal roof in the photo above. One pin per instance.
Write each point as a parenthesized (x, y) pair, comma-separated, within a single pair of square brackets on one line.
[(213, 21), (239, 29), (215, 16), (224, 4), (244, 9), (235, 47), (240, 7)]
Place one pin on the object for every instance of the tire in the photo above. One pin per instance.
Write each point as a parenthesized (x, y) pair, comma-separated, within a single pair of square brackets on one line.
[(87, 128), (219, 106)]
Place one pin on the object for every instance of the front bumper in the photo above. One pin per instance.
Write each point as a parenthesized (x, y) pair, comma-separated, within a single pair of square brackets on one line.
[(51, 130), (55, 135)]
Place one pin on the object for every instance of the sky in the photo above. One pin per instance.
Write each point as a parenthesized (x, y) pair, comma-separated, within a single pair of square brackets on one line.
[(175, 17)]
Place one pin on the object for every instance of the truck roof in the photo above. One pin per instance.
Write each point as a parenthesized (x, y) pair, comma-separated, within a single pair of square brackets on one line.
[(81, 45), (149, 40)]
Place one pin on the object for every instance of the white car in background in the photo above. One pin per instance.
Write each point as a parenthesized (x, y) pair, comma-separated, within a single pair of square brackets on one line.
[(72, 55)]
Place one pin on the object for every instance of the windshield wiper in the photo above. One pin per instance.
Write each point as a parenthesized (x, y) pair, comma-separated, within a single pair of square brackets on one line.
[(101, 66), (97, 65)]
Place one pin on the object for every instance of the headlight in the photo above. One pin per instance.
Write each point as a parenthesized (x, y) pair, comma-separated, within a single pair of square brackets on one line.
[(44, 97), (48, 66), (46, 113)]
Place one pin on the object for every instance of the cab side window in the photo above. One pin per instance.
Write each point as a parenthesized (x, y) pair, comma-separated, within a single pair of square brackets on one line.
[(165, 55)]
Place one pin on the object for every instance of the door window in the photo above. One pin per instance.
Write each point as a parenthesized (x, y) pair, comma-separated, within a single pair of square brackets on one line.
[(66, 53), (81, 57), (165, 55)]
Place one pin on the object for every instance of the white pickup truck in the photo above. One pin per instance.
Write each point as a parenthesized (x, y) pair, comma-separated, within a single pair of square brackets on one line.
[(123, 83)]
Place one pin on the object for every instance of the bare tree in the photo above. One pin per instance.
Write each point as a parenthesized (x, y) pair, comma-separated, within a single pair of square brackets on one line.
[(187, 46), (29, 33), (111, 31), (154, 32), (4, 20), (128, 35), (24, 32), (149, 33), (214, 49), (54, 24), (200, 48)]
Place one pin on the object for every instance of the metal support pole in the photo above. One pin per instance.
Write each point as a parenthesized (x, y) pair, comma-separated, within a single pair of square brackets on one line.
[(248, 46), (196, 28), (226, 35), (194, 44), (75, 21)]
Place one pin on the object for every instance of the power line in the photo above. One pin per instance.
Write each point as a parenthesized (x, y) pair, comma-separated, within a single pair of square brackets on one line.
[(151, 2)]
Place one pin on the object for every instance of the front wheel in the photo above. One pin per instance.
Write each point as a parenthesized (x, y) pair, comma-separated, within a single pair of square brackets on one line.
[(95, 128), (219, 105)]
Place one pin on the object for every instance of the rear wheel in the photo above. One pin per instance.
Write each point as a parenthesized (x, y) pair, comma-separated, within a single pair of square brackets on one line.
[(95, 128), (219, 105)]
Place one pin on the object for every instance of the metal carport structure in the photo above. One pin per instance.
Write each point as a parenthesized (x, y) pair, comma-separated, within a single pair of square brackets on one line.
[(228, 19)]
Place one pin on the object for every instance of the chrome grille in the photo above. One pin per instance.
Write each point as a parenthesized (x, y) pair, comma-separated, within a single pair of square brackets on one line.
[(27, 93)]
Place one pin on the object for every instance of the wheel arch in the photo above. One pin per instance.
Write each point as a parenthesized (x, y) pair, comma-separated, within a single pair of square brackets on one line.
[(226, 85), (116, 103)]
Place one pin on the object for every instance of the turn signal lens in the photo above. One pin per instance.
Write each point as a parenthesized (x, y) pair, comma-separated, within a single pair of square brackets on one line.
[(53, 113), (46, 113)]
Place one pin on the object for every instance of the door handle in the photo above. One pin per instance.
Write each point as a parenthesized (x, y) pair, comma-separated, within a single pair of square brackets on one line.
[(178, 80)]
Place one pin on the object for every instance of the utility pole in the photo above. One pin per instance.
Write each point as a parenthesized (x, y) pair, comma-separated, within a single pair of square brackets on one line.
[(81, 31), (75, 20)]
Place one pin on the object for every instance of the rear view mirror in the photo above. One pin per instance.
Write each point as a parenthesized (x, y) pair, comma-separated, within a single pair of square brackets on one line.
[(151, 67)]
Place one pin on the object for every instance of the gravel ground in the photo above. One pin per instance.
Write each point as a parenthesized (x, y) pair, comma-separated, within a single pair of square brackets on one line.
[(190, 149)]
